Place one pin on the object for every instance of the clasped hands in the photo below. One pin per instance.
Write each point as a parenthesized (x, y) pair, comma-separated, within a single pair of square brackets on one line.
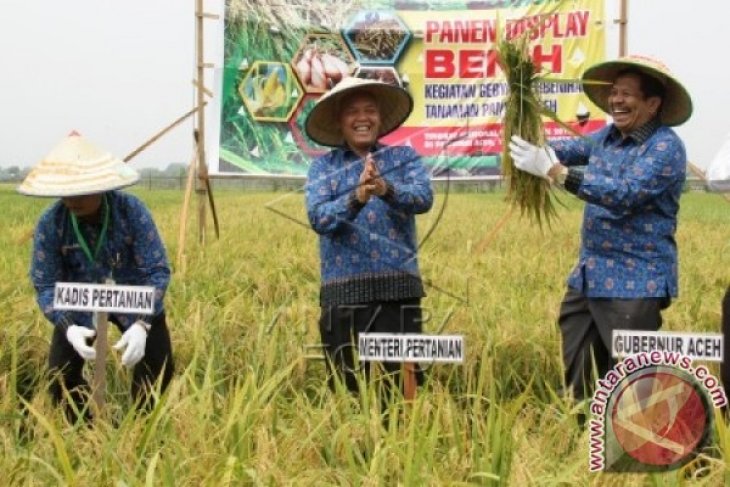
[(134, 339), (371, 183)]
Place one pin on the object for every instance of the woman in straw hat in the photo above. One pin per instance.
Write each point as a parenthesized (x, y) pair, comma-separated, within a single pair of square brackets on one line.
[(361, 199), (632, 175), (91, 234)]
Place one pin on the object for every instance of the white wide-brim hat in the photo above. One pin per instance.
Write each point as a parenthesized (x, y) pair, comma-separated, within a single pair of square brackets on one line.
[(677, 105), (75, 167), (323, 122)]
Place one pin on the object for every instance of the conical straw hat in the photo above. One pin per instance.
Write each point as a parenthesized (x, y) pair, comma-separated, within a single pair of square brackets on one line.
[(323, 124), (76, 167), (677, 104)]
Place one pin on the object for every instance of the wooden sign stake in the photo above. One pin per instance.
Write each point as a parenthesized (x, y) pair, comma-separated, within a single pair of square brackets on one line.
[(409, 381), (102, 349)]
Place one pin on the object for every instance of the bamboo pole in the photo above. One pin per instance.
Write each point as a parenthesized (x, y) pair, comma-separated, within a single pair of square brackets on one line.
[(162, 132), (622, 29), (200, 86), (202, 170), (211, 200)]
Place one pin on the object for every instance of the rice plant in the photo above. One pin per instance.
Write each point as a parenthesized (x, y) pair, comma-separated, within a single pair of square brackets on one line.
[(523, 117), (249, 404)]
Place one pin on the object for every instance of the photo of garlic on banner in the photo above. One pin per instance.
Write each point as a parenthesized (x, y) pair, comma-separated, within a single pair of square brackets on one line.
[(322, 62)]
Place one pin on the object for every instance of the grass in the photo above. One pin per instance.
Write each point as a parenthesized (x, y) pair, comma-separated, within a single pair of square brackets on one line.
[(247, 407)]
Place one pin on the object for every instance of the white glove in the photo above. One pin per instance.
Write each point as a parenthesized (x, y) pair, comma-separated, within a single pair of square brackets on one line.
[(135, 339), (77, 336), (531, 158)]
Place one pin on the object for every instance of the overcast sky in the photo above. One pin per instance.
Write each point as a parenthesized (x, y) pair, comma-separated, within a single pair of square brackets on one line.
[(118, 71)]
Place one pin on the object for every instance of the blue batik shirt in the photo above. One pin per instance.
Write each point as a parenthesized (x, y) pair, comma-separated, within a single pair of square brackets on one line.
[(632, 187), (368, 252), (131, 254)]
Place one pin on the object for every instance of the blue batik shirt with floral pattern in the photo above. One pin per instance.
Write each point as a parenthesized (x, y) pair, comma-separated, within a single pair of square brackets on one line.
[(368, 252), (632, 187), (132, 254)]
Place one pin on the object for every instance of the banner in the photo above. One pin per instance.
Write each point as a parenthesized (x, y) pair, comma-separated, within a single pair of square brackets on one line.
[(279, 59)]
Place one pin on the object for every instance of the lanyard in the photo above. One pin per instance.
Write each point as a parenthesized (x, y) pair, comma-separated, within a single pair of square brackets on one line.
[(102, 235)]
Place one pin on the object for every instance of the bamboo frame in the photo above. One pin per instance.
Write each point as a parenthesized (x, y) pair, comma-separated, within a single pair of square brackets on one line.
[(162, 132), (623, 20), (202, 169), (198, 166), (198, 85)]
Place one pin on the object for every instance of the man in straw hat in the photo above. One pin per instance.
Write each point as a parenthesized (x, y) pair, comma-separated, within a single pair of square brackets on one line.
[(361, 199), (632, 175), (91, 234)]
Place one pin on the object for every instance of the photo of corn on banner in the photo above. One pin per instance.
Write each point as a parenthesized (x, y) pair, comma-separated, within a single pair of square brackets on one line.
[(280, 57)]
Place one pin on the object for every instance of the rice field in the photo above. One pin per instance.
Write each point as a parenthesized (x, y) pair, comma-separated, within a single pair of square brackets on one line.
[(249, 404)]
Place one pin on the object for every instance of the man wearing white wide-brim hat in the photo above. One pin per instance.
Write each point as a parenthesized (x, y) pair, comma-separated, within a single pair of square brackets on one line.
[(632, 175), (94, 233), (362, 198)]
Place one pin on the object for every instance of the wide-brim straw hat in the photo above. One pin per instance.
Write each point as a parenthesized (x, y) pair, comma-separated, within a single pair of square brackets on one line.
[(75, 167), (323, 122), (677, 105)]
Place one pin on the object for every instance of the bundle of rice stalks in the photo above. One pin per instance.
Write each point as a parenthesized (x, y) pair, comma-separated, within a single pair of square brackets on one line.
[(522, 117)]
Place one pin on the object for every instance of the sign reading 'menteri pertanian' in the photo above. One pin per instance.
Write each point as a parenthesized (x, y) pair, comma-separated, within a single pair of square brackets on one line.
[(410, 347)]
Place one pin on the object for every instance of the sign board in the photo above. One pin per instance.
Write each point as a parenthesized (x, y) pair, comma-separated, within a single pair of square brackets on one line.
[(697, 346), (74, 296), (410, 347), (278, 59)]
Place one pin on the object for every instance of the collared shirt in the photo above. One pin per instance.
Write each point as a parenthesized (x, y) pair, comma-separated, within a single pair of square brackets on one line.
[(632, 187), (367, 252), (131, 254)]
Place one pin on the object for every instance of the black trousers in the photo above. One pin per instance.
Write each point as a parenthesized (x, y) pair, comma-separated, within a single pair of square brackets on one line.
[(586, 326), (66, 369), (725, 368), (340, 326)]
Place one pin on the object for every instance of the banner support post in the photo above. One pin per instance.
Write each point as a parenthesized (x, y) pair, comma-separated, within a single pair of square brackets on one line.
[(202, 187), (623, 21)]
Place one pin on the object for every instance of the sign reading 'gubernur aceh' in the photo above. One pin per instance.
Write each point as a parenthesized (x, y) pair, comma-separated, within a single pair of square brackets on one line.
[(410, 347), (75, 296), (697, 346)]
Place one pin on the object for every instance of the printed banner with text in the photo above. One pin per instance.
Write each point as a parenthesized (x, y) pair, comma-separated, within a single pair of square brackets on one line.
[(277, 64)]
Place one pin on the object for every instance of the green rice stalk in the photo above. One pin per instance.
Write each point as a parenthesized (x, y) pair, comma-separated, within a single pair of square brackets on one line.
[(523, 117), (60, 444)]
